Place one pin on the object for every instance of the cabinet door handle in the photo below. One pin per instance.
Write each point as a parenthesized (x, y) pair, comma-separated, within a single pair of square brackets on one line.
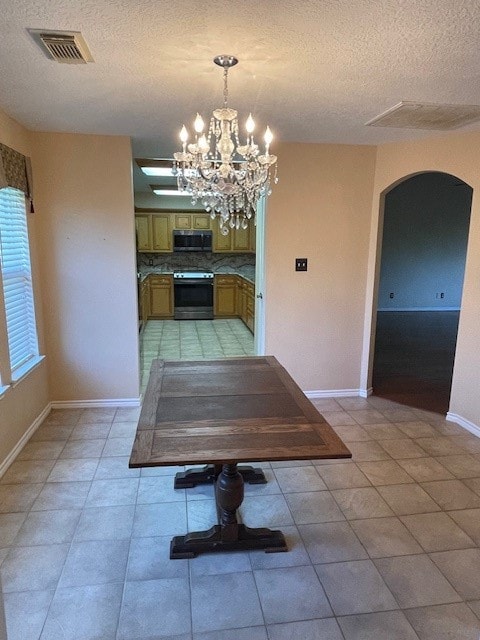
[(260, 296)]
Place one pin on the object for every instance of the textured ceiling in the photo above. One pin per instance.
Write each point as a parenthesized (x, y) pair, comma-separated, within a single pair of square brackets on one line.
[(315, 70)]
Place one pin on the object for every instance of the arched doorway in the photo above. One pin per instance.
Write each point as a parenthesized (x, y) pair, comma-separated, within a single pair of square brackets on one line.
[(423, 250)]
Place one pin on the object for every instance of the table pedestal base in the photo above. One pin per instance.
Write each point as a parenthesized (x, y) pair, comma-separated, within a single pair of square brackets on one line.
[(190, 545), (228, 534), (209, 473)]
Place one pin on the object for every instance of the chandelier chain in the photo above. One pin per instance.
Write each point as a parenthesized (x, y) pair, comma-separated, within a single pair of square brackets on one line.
[(225, 86)]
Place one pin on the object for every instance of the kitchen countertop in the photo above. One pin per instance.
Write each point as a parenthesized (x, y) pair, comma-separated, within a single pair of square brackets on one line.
[(249, 276)]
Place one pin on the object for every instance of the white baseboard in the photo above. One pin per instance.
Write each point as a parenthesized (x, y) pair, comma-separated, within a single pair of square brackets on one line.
[(365, 393), (333, 393), (96, 404), (466, 424), (24, 439), (392, 309)]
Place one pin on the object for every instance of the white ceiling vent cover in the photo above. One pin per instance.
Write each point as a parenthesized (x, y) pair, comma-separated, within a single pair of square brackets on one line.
[(67, 47), (417, 115)]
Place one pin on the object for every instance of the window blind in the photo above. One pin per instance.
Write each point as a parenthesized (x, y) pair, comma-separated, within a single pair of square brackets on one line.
[(17, 278)]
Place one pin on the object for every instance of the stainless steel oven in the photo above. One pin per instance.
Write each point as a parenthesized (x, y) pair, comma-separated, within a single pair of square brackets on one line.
[(193, 295)]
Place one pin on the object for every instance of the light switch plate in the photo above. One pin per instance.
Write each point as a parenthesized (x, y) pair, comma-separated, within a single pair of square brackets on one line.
[(300, 264)]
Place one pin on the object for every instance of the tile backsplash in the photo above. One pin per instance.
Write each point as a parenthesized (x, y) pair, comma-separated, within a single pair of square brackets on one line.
[(218, 263)]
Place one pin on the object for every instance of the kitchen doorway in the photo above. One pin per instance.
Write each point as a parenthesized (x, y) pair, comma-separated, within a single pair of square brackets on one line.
[(425, 235)]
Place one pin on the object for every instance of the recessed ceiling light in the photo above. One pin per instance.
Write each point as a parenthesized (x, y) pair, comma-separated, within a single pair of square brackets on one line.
[(170, 192), (157, 171), (155, 167)]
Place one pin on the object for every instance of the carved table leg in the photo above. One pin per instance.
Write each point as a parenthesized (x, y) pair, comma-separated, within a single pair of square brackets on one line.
[(228, 535), (209, 473)]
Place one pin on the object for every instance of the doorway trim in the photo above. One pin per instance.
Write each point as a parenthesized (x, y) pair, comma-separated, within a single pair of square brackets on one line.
[(373, 280), (259, 329)]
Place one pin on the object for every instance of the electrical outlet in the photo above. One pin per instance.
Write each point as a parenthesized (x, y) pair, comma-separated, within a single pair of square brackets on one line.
[(150, 262), (300, 264)]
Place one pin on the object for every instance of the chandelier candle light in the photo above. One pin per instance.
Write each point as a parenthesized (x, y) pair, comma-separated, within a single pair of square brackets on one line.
[(226, 177)]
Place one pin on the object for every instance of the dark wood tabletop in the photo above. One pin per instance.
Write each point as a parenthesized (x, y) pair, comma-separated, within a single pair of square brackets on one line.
[(221, 413), (230, 410)]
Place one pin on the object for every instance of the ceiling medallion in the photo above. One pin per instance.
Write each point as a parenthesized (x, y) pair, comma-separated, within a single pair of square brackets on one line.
[(227, 178)]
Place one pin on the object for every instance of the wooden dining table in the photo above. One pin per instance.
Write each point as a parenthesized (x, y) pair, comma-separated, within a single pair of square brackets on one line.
[(221, 413)]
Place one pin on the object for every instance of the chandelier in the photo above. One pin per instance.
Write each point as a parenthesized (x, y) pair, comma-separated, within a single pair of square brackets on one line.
[(226, 177)]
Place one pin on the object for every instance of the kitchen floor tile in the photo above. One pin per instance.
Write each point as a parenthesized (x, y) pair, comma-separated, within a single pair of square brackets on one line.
[(444, 622), (367, 451), (415, 581), (49, 450), (145, 603), (361, 503), (110, 493), (343, 476), (225, 602), (452, 494), (25, 613), (95, 562), (292, 593), (331, 542), (355, 587), (384, 625), (149, 559), (384, 537), (88, 612), (403, 448), (33, 568), (27, 471), (312, 507), (469, 521), (462, 466), (48, 527), (406, 499), (10, 525), (425, 469), (105, 523), (436, 532), (62, 495), (384, 472), (462, 570), (247, 633), (73, 470), (322, 629), (265, 511)]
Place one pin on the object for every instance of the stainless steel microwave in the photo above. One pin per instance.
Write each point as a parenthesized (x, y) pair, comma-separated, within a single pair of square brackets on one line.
[(187, 240)]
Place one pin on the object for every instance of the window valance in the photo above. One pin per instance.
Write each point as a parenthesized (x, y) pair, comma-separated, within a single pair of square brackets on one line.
[(15, 171)]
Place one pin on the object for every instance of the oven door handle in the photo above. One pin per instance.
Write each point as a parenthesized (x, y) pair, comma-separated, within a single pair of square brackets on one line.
[(193, 281)]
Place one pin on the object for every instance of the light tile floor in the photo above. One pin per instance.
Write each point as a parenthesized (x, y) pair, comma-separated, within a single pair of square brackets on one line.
[(382, 547), (192, 340)]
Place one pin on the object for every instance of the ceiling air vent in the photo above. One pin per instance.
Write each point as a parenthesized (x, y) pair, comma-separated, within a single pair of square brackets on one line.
[(67, 47), (417, 115)]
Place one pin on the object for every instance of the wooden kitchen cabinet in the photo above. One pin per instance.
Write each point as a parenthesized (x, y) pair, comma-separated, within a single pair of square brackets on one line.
[(201, 221), (161, 233), (182, 221), (224, 295), (161, 296), (144, 301), (249, 306), (154, 233), (144, 232), (237, 240)]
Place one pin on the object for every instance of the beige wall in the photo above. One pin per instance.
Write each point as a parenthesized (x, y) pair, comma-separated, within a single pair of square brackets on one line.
[(319, 210), (22, 404), (84, 199), (457, 154)]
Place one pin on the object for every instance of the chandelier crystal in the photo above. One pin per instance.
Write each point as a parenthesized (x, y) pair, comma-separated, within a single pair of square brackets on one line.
[(226, 177)]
